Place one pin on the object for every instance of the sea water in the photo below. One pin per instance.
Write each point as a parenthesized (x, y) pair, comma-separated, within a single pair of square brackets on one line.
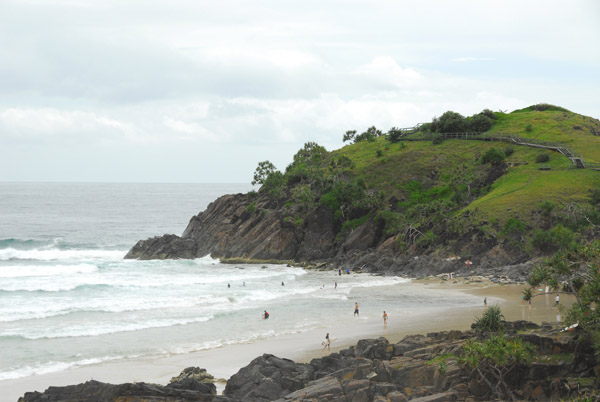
[(69, 299)]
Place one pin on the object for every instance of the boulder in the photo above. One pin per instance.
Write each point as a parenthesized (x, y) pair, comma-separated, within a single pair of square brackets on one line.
[(168, 246), (96, 391), (268, 378)]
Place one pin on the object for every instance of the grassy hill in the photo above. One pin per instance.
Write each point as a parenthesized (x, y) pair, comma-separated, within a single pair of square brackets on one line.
[(428, 195)]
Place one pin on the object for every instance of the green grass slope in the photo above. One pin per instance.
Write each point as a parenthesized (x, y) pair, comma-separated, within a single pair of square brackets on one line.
[(445, 191)]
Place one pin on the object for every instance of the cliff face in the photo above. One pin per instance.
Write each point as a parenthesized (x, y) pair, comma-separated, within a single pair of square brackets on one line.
[(240, 226), (235, 226)]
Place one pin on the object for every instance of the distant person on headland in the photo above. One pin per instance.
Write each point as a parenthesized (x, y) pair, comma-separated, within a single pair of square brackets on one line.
[(355, 309), (266, 315), (385, 316), (327, 343)]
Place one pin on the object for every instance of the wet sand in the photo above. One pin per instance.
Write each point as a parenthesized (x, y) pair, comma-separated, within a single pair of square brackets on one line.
[(302, 347)]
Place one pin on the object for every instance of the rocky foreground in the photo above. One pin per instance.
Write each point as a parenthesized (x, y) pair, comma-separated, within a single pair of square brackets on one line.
[(374, 370)]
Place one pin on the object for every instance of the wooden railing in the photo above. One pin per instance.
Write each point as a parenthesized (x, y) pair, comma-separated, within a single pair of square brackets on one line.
[(412, 134)]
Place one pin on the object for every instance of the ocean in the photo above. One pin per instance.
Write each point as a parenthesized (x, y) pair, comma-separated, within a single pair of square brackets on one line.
[(68, 299)]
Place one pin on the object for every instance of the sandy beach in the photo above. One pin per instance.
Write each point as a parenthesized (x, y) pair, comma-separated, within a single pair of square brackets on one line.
[(302, 347)]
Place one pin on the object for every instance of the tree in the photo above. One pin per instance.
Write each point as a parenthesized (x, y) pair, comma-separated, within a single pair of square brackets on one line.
[(394, 135), (449, 122), (369, 135), (494, 359), (262, 172), (480, 123), (575, 271), (349, 135)]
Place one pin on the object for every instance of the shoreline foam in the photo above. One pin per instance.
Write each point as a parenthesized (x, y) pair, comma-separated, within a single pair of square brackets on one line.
[(302, 347)]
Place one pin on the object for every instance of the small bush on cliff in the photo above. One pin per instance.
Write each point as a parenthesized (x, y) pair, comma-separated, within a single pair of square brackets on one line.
[(559, 237), (262, 172)]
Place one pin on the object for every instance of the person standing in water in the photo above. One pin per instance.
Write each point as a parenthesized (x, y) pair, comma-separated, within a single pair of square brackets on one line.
[(355, 309), (327, 343), (385, 317), (266, 315), (335, 286)]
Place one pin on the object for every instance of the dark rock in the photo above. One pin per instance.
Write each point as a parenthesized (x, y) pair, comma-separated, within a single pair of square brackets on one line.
[(168, 246), (95, 391), (267, 378)]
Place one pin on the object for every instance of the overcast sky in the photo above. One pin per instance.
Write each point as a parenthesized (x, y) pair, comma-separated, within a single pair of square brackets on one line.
[(201, 91)]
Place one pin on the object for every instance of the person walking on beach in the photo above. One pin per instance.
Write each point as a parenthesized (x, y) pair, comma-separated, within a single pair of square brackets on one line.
[(340, 272), (355, 309), (556, 299), (335, 286), (327, 343), (385, 316), (485, 302)]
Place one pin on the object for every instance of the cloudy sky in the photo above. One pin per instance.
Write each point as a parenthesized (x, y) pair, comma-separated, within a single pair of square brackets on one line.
[(201, 91)]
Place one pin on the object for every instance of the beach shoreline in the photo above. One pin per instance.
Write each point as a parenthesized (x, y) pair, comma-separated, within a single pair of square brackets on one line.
[(303, 346)]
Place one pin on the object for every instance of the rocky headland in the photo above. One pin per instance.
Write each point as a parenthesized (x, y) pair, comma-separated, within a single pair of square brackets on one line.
[(239, 227), (375, 370)]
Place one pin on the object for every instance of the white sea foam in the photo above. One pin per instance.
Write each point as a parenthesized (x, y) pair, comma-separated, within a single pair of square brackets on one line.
[(18, 271), (53, 367), (79, 330), (53, 254)]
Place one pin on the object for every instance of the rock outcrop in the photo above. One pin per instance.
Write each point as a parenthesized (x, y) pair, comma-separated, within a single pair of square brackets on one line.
[(374, 370), (257, 228)]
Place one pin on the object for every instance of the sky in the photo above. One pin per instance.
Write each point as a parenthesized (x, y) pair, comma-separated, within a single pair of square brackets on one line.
[(195, 91)]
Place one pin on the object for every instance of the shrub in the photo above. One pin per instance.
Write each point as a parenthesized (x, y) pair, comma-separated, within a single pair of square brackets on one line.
[(480, 123), (543, 157), (392, 221), (547, 207), (559, 237), (370, 135), (449, 122), (529, 128), (491, 321), (251, 207), (394, 134), (489, 114), (437, 139), (509, 150), (512, 227), (379, 153), (595, 197), (492, 156), (426, 240)]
